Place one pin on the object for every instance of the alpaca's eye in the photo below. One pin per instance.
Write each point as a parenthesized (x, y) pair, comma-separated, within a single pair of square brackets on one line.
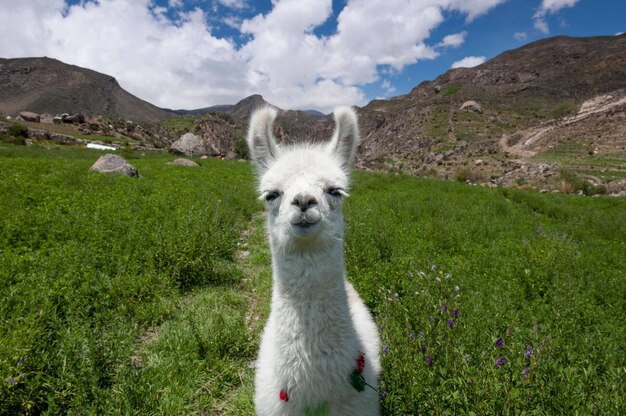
[(336, 192), (271, 195)]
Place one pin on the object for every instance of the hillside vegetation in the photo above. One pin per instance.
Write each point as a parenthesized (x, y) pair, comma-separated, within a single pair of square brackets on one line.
[(147, 296)]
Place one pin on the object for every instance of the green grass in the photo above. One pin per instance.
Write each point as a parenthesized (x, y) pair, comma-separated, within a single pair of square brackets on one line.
[(545, 271), (451, 90), (148, 296), (90, 262), (577, 156), (179, 124)]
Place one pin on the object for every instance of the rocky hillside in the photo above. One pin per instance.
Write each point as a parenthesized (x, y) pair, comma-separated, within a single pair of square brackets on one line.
[(555, 103), (44, 85)]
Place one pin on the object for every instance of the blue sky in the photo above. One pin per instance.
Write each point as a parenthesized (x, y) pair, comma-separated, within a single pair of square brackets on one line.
[(297, 53)]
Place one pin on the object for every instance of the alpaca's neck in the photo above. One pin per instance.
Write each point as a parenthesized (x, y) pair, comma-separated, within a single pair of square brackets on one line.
[(309, 299), (309, 274)]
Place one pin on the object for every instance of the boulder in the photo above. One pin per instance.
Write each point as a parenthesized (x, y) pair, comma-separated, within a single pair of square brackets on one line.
[(110, 163), (29, 116), (189, 145), (184, 162), (471, 106)]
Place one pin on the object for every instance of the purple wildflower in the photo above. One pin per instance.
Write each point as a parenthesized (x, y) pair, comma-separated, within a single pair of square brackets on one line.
[(386, 348), (422, 335), (526, 372), (382, 394), (423, 350), (429, 361), (451, 323), (455, 313), (10, 381), (500, 362), (529, 352), (500, 343)]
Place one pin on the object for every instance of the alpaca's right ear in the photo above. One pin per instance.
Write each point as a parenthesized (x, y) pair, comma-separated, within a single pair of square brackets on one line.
[(345, 140), (261, 141)]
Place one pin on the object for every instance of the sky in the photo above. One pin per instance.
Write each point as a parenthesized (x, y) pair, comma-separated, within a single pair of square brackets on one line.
[(298, 54)]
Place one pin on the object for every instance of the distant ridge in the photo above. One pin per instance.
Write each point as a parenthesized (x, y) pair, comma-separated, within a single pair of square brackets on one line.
[(45, 85)]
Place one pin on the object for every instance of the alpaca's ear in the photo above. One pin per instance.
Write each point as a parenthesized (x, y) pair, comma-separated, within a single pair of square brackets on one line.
[(345, 140), (261, 141)]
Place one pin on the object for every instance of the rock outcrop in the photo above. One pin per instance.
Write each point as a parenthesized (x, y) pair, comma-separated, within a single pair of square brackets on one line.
[(471, 106), (184, 162), (29, 116), (114, 164), (189, 145)]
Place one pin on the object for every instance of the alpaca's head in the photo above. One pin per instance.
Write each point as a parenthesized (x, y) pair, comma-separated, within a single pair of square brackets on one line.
[(303, 184)]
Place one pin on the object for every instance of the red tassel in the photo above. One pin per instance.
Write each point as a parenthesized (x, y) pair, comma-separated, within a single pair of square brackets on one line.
[(360, 363), (283, 396)]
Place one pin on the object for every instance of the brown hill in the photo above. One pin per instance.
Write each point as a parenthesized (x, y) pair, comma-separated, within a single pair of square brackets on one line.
[(540, 87), (45, 85)]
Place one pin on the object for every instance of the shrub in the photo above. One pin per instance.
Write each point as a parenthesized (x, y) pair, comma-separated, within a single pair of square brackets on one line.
[(18, 130), (241, 149)]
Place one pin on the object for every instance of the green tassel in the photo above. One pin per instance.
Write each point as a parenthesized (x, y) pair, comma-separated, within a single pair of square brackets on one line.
[(322, 410), (358, 381)]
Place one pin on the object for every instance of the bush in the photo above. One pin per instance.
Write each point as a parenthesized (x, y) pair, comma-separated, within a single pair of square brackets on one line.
[(572, 183), (18, 130), (241, 149), (5, 138)]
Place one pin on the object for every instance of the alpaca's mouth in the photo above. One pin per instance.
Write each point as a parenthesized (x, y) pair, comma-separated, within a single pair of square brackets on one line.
[(304, 228)]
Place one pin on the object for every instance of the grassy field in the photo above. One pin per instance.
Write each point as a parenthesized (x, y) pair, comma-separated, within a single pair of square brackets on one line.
[(147, 296)]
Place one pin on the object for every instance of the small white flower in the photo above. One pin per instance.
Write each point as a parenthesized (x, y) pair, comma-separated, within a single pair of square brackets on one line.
[(457, 288), (437, 279)]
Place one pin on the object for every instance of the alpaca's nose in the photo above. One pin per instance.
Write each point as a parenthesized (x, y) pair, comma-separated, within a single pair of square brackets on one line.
[(304, 201)]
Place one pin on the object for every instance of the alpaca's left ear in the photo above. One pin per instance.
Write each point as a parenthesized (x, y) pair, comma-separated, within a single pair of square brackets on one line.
[(345, 140)]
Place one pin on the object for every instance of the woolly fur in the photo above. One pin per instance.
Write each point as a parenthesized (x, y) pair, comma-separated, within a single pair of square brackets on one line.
[(318, 324)]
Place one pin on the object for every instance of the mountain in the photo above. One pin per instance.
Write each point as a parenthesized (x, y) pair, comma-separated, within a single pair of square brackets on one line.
[(546, 114), (559, 102), (45, 85)]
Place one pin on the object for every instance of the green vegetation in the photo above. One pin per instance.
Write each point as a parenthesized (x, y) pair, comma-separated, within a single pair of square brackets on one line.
[(451, 90), (538, 271), (147, 296), (563, 110), (90, 262), (15, 134), (179, 124), (576, 156)]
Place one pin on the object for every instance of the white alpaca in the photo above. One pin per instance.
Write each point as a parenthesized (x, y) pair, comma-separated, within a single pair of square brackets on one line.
[(319, 335)]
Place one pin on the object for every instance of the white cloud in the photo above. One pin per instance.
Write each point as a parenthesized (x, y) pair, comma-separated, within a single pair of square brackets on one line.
[(233, 4), (386, 85), (469, 62), (520, 36), (473, 8), (181, 64), (455, 40), (549, 7)]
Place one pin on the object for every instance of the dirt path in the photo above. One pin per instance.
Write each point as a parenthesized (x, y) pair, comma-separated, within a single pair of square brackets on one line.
[(528, 142), (253, 259)]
